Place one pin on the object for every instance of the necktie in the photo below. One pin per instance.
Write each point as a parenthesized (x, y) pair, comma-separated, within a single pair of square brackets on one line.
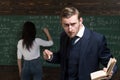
[(73, 40)]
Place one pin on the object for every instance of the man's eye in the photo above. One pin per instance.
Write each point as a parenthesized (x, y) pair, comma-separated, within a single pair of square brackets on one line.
[(66, 24), (73, 24)]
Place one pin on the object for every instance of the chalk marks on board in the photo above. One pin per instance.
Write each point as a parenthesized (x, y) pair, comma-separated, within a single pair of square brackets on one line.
[(11, 26)]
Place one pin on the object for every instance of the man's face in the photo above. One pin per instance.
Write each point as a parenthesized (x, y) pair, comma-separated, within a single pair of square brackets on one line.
[(71, 25)]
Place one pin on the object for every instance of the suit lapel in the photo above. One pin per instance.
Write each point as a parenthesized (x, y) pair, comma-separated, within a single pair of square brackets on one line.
[(84, 44)]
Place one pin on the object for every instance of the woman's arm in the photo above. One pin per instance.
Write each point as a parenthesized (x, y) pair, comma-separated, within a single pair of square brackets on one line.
[(46, 31), (19, 66)]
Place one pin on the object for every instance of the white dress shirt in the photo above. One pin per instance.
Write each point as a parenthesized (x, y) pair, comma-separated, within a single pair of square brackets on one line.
[(80, 33)]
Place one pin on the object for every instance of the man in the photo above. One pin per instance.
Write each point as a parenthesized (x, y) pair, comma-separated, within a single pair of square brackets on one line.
[(82, 56)]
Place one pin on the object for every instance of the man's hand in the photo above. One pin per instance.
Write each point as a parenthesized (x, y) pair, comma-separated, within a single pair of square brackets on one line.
[(109, 76), (47, 54)]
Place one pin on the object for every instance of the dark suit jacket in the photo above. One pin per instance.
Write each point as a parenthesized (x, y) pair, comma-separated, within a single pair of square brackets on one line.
[(93, 52)]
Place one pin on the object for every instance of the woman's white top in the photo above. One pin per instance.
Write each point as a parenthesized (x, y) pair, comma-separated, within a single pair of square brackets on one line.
[(34, 52)]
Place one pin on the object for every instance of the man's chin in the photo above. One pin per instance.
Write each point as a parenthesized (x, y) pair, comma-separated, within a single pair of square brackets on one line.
[(71, 36)]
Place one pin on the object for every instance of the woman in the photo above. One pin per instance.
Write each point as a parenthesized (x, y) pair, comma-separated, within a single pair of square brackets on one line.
[(28, 49)]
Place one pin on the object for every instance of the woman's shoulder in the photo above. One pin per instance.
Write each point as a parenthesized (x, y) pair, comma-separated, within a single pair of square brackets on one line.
[(38, 39), (20, 41)]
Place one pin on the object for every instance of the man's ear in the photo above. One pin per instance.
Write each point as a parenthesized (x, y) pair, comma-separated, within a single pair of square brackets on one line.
[(81, 20)]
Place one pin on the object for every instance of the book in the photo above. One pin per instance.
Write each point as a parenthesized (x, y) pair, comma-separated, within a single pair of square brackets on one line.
[(98, 75)]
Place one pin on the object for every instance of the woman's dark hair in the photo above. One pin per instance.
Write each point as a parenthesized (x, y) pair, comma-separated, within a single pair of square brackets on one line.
[(28, 34)]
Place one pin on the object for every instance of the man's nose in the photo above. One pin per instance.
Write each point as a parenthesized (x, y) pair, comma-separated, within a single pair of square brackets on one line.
[(70, 28)]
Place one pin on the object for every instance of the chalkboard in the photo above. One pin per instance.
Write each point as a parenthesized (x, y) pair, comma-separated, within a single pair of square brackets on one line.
[(11, 26), (10, 33)]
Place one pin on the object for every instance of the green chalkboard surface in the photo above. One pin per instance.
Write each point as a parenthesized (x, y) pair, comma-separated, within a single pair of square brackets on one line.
[(11, 26), (10, 33)]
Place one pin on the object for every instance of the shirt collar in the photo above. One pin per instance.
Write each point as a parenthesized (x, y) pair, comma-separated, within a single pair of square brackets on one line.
[(81, 31)]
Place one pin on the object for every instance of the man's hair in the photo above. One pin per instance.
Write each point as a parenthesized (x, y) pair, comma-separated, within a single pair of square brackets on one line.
[(67, 12)]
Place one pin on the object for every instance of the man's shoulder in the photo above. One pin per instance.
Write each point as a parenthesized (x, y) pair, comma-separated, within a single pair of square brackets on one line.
[(95, 35)]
